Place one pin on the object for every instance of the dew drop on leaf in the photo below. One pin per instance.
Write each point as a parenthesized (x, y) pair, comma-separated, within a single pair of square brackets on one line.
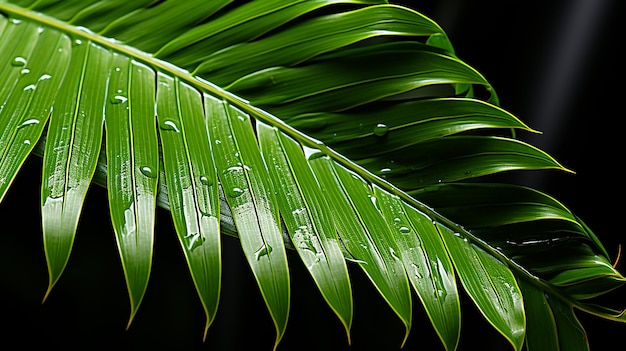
[(235, 192), (195, 241), (28, 122), (298, 211), (263, 251), (355, 260), (148, 172), (405, 230), (118, 99), (170, 125), (130, 226), (205, 181), (18, 61), (380, 129), (311, 153), (393, 254), (416, 268), (373, 199)]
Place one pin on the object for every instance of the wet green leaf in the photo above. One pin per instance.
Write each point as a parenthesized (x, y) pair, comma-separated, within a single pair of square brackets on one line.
[(490, 284), (133, 155), (308, 219), (73, 145), (245, 180), (193, 190)]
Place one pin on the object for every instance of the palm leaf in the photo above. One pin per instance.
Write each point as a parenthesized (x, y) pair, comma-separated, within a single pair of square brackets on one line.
[(347, 130)]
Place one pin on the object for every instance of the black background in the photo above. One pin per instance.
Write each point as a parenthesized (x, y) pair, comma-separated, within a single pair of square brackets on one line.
[(554, 64)]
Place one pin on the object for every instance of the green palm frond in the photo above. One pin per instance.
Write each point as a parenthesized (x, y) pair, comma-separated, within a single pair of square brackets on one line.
[(346, 130)]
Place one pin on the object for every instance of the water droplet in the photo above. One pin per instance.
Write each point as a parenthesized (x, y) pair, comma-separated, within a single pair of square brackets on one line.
[(168, 124), (234, 181), (30, 87), (416, 271), (28, 122), (393, 254), (265, 250), (310, 247), (380, 129), (206, 181), (18, 61), (307, 245), (298, 211), (26, 142), (397, 220), (25, 71), (15, 21), (148, 172), (355, 260), (45, 77), (385, 170), (195, 241), (54, 200), (77, 42), (404, 230), (373, 199), (118, 99), (130, 226), (217, 141), (311, 153), (234, 170), (235, 192)]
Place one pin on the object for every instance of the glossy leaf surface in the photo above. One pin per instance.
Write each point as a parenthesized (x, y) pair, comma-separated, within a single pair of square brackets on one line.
[(193, 190), (490, 285), (74, 138), (308, 219), (132, 153), (244, 178)]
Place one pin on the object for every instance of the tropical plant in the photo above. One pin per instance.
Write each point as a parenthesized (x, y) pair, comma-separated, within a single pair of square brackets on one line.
[(345, 130)]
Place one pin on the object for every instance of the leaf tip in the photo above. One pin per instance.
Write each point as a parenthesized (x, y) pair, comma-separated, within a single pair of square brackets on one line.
[(348, 336), (619, 255), (132, 317), (45, 296), (51, 284), (406, 337), (206, 331)]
